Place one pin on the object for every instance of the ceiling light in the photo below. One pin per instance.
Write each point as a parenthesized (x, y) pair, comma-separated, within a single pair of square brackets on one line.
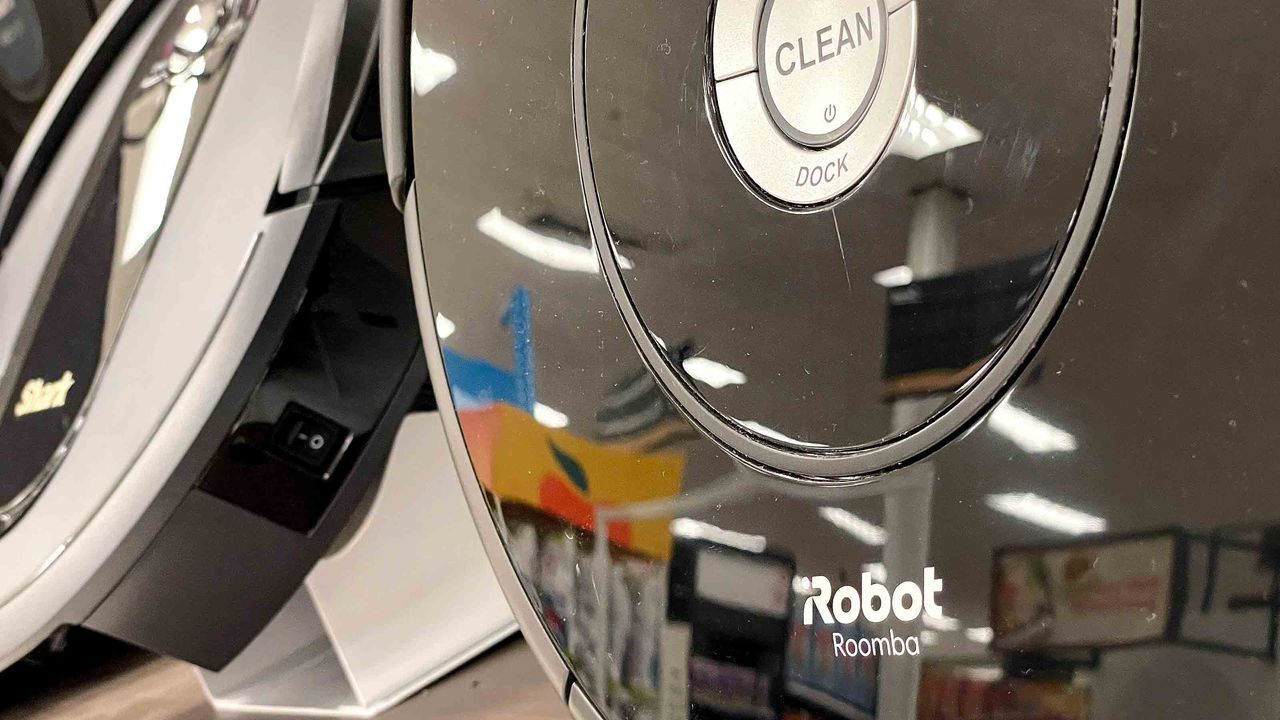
[(980, 635), (691, 529), (940, 624), (444, 326), (549, 416), (160, 162), (717, 375), (428, 68), (772, 434), (865, 532), (550, 251), (926, 130), (893, 277), (1036, 510), (1029, 432), (876, 571)]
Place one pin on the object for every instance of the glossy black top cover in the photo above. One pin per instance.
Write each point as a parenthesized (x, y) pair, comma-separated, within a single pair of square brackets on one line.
[(1100, 543), (910, 285)]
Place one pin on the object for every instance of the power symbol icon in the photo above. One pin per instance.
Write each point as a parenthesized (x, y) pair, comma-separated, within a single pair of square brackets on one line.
[(829, 114)]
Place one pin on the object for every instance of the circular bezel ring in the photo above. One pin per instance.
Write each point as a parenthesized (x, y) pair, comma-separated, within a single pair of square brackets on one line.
[(858, 463)]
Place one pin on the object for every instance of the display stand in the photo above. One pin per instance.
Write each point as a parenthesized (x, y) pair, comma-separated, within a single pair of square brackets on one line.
[(406, 599)]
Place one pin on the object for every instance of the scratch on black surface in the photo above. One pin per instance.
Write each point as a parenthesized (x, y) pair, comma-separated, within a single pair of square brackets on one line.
[(843, 260)]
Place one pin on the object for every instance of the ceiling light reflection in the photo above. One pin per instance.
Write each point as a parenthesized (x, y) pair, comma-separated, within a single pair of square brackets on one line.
[(691, 529), (717, 375), (926, 130), (876, 571), (444, 326), (865, 532), (1029, 432), (766, 431), (980, 635), (940, 624), (428, 68), (893, 277), (549, 416), (1046, 513), (550, 251), (161, 151)]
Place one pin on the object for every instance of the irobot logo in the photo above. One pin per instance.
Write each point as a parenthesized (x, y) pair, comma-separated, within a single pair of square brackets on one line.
[(874, 603)]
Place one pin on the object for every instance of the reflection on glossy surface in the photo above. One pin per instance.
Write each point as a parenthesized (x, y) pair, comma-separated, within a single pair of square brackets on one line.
[(428, 68), (1030, 433), (1046, 513), (1148, 412), (106, 243), (927, 130), (541, 247), (977, 147), (160, 123)]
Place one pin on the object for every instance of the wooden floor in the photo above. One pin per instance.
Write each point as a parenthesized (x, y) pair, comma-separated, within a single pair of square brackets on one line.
[(108, 683)]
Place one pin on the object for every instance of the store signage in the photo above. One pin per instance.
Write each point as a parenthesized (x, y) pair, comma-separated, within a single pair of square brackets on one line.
[(1101, 593)]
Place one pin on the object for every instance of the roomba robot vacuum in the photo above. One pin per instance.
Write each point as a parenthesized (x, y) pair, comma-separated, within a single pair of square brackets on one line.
[(207, 330), (892, 359)]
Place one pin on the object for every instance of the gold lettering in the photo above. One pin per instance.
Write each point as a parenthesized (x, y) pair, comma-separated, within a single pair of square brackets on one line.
[(39, 395)]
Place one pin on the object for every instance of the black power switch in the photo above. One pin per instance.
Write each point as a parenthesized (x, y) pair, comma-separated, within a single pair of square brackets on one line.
[(310, 439)]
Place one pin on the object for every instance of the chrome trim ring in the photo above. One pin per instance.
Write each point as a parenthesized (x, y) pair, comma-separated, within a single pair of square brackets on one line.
[(859, 464)]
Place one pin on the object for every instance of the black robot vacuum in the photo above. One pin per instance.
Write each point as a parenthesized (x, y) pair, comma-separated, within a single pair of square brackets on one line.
[(878, 359)]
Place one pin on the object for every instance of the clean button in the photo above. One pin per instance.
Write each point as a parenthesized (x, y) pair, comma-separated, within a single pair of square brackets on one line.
[(820, 63)]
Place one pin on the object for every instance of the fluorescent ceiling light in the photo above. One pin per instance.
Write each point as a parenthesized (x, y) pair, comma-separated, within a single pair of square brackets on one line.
[(549, 416), (550, 251), (428, 68), (926, 130), (876, 571), (444, 326), (772, 434), (863, 531), (893, 277), (980, 635), (942, 624), (691, 529), (161, 157), (191, 40), (1029, 432), (715, 374), (1036, 510)]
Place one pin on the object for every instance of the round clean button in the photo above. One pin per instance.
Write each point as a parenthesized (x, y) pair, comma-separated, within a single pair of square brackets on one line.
[(820, 63)]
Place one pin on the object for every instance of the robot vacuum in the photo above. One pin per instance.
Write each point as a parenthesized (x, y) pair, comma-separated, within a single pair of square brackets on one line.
[(876, 359), (207, 330)]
